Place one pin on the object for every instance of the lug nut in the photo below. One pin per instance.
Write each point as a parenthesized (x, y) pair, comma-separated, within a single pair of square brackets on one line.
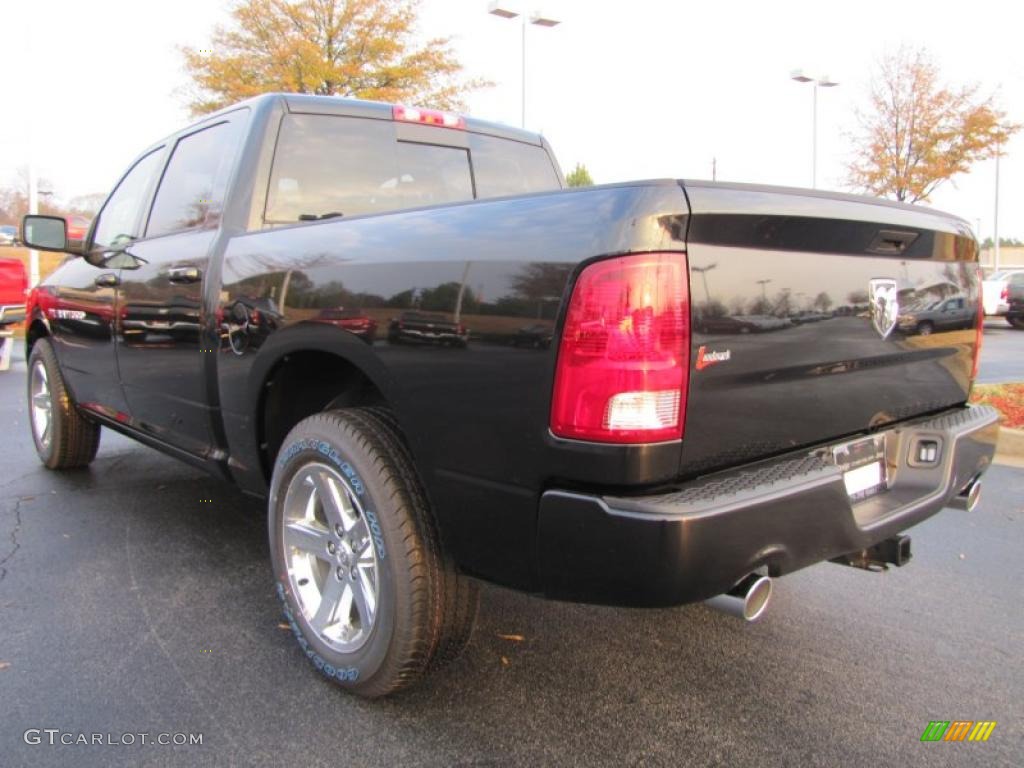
[(339, 530), (331, 548), (340, 573)]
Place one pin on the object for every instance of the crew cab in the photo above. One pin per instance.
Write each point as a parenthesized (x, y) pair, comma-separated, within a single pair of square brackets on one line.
[(633, 457)]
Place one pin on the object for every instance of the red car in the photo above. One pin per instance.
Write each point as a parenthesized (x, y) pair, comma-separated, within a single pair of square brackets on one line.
[(78, 227), (13, 287), (354, 321)]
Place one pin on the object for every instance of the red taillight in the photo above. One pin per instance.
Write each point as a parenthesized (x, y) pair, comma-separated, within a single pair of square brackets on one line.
[(428, 117), (979, 332), (623, 360), (1004, 295)]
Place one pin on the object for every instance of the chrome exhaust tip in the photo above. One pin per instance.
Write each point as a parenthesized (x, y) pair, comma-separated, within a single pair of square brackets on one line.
[(969, 497), (748, 600)]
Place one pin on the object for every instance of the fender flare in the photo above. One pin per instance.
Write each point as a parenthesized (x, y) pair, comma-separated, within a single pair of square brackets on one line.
[(315, 337)]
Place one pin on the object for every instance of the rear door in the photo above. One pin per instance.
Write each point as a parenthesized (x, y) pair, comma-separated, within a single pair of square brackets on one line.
[(160, 350)]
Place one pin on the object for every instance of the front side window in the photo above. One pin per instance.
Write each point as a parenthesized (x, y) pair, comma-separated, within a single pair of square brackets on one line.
[(328, 166), (119, 220), (191, 193)]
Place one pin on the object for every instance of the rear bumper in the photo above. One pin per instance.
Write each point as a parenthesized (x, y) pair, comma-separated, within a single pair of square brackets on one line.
[(700, 538), (11, 313)]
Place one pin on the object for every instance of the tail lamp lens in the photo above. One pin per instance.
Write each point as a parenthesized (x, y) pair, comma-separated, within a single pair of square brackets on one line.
[(623, 358)]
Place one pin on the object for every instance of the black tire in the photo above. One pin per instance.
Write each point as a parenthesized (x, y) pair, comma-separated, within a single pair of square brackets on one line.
[(461, 593), (1016, 322), (925, 329), (72, 440), (409, 571)]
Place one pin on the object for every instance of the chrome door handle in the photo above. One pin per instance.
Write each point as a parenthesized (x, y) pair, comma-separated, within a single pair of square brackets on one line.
[(184, 274)]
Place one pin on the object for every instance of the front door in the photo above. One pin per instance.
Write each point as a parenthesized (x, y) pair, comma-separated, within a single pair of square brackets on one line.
[(160, 353), (81, 305)]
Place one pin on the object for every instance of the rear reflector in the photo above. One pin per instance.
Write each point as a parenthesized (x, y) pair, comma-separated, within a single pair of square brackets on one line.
[(428, 117), (623, 359)]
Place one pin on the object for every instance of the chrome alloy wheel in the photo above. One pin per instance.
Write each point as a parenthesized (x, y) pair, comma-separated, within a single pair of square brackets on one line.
[(331, 561), (42, 405)]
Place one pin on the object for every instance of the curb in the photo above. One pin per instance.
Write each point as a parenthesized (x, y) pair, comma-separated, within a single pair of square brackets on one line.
[(1011, 443)]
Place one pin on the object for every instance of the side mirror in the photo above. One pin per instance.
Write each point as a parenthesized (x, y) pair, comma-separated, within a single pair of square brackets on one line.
[(45, 233)]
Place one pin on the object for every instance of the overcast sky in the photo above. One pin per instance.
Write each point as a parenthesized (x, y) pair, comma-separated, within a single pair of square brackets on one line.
[(639, 89)]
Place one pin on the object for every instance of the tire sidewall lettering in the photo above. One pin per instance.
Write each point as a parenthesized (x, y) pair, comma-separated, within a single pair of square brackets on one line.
[(342, 674)]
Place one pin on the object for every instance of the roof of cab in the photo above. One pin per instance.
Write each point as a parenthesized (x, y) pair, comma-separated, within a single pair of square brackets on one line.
[(304, 103)]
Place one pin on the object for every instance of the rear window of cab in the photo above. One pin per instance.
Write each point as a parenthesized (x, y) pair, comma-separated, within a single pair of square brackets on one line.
[(326, 166)]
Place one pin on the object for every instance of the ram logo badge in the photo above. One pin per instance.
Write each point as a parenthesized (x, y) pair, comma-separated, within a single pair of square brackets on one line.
[(885, 305), (705, 358)]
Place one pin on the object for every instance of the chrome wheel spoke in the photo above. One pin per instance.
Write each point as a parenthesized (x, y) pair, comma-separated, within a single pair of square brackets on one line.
[(360, 538), (331, 499), (365, 599), (303, 536), (329, 603)]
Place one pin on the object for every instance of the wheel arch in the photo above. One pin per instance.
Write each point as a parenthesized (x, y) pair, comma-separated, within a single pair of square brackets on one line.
[(36, 330), (304, 370)]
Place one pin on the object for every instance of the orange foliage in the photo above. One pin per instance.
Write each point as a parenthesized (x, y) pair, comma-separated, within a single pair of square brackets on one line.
[(918, 133), (357, 48)]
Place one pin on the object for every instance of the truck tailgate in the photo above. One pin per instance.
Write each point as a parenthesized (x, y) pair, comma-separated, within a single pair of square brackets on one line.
[(816, 316)]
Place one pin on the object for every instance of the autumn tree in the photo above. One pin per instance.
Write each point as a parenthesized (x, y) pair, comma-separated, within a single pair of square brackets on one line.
[(579, 177), (918, 132), (358, 48), (823, 302)]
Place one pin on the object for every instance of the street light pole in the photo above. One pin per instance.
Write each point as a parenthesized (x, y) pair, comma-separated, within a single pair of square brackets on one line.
[(33, 209), (995, 214), (505, 11), (821, 82), (704, 277), (764, 292)]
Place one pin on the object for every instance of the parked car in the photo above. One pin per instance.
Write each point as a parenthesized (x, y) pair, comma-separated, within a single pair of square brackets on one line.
[(8, 235), (742, 324), (1015, 300), (426, 328), (995, 291), (947, 314), (627, 464), (78, 226), (535, 335), (355, 321), (13, 288)]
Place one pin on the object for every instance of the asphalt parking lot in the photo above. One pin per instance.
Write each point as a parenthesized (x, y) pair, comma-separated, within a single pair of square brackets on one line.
[(1002, 353), (136, 597)]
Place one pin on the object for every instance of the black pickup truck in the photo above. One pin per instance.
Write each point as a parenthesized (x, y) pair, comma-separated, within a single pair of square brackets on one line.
[(643, 455)]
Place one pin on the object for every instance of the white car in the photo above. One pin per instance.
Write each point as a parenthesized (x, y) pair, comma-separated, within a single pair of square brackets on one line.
[(8, 235), (995, 291)]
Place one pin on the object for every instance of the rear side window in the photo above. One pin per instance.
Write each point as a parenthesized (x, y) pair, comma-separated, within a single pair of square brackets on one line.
[(504, 167), (328, 166), (191, 193)]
